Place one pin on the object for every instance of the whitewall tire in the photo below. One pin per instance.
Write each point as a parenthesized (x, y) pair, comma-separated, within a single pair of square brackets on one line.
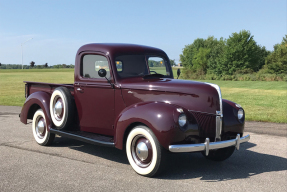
[(144, 152), (62, 108), (39, 129)]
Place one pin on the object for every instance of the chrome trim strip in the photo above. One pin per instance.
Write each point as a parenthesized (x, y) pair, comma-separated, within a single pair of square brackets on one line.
[(237, 145), (220, 96), (201, 112), (218, 128), (81, 138), (209, 146), (206, 146), (218, 113)]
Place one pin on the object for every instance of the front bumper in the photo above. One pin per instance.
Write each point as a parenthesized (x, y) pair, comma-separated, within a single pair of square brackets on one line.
[(209, 145)]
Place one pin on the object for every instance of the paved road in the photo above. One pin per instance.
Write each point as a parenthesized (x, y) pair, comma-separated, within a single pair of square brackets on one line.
[(68, 165)]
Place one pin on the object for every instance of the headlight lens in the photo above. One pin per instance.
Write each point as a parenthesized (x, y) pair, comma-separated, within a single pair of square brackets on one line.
[(240, 114), (182, 119)]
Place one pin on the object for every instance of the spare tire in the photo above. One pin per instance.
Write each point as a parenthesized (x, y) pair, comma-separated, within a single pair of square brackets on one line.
[(62, 108)]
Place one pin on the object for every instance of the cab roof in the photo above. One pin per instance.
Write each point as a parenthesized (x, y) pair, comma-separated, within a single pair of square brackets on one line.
[(118, 48)]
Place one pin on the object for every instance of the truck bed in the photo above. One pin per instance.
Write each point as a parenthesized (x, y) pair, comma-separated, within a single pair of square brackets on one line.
[(32, 87)]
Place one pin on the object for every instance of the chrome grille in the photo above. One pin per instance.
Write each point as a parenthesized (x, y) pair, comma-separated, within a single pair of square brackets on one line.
[(206, 123)]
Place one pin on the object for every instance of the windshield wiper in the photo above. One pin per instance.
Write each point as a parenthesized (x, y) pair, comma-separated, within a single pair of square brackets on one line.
[(151, 76)]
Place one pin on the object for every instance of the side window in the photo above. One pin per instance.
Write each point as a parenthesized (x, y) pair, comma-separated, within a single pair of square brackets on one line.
[(157, 65), (92, 64)]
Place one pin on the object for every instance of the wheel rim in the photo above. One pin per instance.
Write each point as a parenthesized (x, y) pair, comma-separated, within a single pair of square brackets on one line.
[(141, 150), (40, 127), (58, 109)]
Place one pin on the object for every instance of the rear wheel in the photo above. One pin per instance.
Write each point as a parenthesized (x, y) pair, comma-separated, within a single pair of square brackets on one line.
[(62, 108), (39, 129), (144, 152)]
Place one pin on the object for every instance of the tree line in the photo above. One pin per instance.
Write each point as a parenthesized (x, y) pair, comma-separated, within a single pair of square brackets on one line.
[(33, 66), (239, 54)]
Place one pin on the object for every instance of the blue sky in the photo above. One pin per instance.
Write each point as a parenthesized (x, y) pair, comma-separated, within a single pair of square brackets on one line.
[(60, 27)]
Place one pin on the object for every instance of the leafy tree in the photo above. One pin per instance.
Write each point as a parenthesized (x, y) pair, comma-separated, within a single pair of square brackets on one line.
[(241, 52), (172, 62), (203, 54), (276, 62), (200, 59), (189, 51), (262, 55), (217, 48), (276, 46), (32, 63), (46, 65)]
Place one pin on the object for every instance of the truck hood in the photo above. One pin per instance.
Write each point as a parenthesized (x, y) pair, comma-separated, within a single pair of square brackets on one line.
[(192, 95)]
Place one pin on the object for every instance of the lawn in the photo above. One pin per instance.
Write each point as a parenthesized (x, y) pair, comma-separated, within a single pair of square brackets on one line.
[(12, 87), (262, 101)]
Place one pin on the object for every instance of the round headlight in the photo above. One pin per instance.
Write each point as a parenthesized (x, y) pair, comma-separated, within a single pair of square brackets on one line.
[(182, 119), (240, 114)]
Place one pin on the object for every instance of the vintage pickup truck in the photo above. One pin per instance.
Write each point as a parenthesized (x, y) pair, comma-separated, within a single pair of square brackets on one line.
[(125, 96)]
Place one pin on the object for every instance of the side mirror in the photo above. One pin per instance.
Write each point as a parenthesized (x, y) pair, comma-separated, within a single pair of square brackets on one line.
[(178, 73), (102, 73)]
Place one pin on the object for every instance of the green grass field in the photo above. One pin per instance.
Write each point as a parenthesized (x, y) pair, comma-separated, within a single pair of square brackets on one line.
[(262, 101), (12, 87)]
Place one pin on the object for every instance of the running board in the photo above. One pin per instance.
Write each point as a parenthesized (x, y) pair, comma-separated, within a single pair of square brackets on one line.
[(91, 138)]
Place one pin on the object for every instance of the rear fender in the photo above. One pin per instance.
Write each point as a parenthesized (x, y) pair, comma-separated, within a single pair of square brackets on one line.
[(160, 117), (35, 101)]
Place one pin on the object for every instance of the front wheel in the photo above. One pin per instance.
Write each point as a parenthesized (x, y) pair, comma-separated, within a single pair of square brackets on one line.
[(39, 129), (144, 152)]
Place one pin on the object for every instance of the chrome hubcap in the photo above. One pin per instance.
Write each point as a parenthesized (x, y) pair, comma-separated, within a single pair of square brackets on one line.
[(58, 110), (142, 151), (40, 128)]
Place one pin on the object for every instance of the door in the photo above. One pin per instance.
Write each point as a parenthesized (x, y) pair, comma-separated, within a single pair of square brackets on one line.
[(94, 96)]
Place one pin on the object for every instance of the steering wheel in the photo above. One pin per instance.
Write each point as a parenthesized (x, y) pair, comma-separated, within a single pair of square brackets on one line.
[(154, 72)]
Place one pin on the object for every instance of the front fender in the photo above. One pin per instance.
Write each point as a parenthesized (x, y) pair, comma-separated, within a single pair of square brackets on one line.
[(231, 124), (158, 116), (34, 101)]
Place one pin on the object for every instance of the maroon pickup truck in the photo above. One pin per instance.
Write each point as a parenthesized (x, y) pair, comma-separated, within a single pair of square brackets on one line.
[(125, 96)]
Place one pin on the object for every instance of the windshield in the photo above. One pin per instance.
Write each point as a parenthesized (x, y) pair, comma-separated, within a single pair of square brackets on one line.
[(141, 65)]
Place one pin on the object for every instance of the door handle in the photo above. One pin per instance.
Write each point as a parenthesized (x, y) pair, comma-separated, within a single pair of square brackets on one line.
[(80, 90)]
